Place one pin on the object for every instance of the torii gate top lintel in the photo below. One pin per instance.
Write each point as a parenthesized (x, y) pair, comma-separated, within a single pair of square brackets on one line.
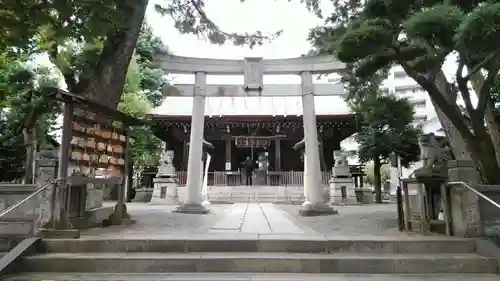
[(189, 65)]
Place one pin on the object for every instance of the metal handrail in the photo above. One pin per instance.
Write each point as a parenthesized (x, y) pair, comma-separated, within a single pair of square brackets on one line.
[(475, 191), (21, 202)]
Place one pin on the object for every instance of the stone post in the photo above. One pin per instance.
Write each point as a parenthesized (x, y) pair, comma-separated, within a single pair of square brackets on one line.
[(464, 204), (46, 168), (193, 202), (313, 180), (315, 200)]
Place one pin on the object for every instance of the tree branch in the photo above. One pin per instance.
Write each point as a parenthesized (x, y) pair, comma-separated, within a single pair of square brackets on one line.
[(462, 86), (480, 65), (205, 19), (449, 109), (484, 94)]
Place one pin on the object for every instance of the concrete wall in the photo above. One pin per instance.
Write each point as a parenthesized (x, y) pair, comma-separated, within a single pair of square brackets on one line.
[(22, 220)]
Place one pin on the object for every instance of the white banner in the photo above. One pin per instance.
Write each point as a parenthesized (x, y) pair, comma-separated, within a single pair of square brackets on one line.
[(204, 189)]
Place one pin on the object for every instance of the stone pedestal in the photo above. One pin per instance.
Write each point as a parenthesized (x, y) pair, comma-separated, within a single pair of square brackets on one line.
[(143, 194), (165, 191), (365, 195), (95, 199), (192, 209), (464, 204), (342, 191), (319, 209), (341, 183)]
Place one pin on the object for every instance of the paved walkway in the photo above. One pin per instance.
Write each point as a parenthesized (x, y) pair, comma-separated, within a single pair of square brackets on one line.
[(158, 221), (254, 219), (362, 220), (260, 218)]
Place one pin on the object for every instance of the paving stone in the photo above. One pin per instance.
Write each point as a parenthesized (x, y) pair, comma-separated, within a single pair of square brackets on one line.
[(261, 218), (159, 221), (363, 220)]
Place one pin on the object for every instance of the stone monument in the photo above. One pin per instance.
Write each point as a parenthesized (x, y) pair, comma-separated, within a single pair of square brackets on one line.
[(341, 184), (165, 183)]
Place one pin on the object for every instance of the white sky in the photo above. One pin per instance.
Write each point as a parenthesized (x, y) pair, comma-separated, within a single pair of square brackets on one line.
[(233, 16)]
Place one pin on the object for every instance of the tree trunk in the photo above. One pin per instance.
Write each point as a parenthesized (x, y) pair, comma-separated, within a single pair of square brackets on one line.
[(29, 143), (377, 179), (107, 85), (457, 142), (489, 115), (478, 147)]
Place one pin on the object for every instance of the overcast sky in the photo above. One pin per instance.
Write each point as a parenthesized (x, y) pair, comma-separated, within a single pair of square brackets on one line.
[(233, 16)]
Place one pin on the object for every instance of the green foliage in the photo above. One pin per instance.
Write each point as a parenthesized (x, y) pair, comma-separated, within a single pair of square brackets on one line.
[(92, 42), (386, 129), (25, 109), (419, 35), (435, 25), (135, 102), (368, 38), (152, 78), (477, 36)]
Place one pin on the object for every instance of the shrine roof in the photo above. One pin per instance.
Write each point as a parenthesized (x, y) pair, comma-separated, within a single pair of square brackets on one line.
[(251, 106)]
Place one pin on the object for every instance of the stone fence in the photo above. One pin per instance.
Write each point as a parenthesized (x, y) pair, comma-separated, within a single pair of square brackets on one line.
[(451, 209)]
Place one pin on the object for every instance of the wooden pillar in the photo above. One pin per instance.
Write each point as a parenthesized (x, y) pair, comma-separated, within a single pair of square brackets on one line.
[(277, 155), (228, 164)]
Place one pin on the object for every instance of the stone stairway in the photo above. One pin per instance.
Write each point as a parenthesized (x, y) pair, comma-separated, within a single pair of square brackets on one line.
[(260, 257), (254, 193)]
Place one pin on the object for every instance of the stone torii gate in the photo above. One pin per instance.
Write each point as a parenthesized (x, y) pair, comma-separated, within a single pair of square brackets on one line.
[(253, 70)]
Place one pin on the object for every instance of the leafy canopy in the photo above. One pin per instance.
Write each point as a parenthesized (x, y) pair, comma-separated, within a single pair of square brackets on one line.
[(419, 35), (24, 107), (386, 127)]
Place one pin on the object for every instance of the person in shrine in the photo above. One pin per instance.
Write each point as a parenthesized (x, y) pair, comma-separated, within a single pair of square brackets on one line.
[(248, 165)]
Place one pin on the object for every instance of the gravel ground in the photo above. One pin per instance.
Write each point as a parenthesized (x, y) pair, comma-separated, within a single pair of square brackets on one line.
[(158, 220), (365, 220)]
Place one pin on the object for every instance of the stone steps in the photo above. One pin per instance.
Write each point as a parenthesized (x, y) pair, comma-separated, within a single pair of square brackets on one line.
[(61, 276), (261, 243), (260, 262), (257, 254)]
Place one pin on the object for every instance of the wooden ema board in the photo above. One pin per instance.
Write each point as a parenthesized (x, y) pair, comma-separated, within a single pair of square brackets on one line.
[(97, 149)]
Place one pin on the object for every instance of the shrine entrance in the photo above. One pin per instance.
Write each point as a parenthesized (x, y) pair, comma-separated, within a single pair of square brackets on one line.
[(253, 70)]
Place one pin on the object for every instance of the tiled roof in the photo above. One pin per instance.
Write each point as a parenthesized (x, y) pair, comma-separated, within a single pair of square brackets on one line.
[(252, 106)]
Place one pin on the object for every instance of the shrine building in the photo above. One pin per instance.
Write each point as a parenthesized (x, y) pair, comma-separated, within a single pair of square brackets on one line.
[(251, 126)]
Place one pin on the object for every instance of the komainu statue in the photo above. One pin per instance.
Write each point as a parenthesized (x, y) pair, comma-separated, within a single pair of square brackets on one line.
[(435, 156)]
